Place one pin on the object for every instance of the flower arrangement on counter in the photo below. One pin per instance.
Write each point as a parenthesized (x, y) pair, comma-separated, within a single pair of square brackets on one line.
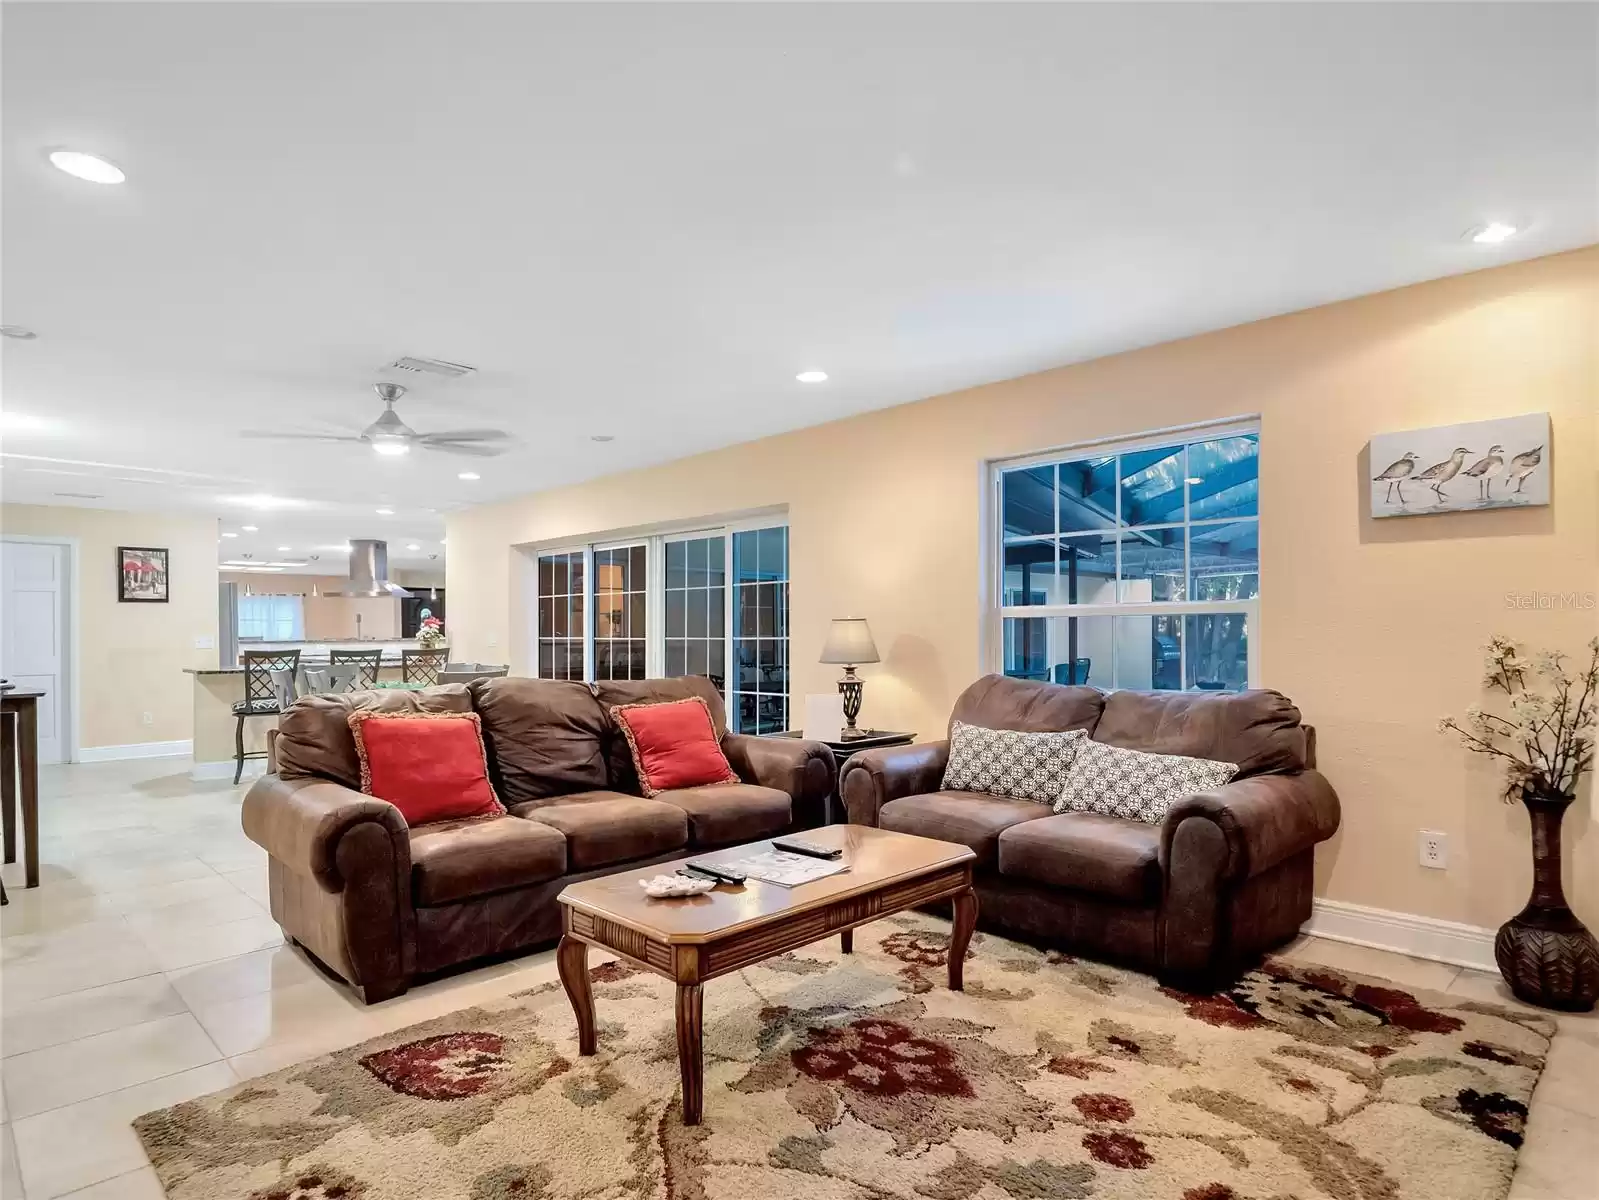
[(430, 634)]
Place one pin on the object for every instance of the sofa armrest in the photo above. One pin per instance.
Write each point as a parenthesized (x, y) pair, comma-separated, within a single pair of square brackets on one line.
[(300, 822), (1264, 820), (872, 778), (805, 770)]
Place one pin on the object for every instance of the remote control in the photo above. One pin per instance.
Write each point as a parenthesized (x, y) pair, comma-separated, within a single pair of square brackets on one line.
[(809, 849), (720, 874)]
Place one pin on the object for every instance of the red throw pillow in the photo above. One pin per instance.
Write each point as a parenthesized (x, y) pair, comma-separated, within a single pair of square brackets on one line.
[(430, 766), (674, 745)]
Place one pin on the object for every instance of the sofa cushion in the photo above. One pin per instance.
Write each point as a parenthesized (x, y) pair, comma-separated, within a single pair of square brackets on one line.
[(971, 818), (999, 702), (430, 766), (674, 745), (544, 736), (607, 827), (610, 693), (1086, 852), (314, 735), (1009, 762), (458, 860), (1135, 784), (1259, 730), (725, 814)]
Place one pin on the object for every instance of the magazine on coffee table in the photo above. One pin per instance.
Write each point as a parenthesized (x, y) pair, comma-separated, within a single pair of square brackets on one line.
[(785, 870)]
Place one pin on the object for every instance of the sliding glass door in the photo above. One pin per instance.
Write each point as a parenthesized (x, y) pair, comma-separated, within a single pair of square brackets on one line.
[(710, 602)]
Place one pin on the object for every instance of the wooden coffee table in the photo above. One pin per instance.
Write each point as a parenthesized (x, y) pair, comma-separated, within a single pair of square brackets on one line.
[(696, 938)]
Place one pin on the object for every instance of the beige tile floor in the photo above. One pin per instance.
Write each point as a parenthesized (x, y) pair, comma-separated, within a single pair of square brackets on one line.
[(146, 970)]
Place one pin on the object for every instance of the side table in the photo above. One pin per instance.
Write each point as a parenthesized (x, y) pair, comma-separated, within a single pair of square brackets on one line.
[(846, 748), (19, 730)]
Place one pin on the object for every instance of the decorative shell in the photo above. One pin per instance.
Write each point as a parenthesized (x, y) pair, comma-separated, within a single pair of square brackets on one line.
[(663, 886)]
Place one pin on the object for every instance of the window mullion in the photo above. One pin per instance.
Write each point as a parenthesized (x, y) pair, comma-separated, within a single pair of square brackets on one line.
[(589, 598)]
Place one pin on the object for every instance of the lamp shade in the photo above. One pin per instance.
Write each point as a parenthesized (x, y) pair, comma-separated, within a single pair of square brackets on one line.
[(849, 641)]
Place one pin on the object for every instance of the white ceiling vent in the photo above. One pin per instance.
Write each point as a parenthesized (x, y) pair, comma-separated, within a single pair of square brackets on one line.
[(429, 366)]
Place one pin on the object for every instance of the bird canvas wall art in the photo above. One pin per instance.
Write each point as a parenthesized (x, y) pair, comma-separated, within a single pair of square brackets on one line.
[(1503, 463)]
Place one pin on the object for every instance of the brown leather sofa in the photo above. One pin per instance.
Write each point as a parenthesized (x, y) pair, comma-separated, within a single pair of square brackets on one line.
[(1226, 876), (380, 903)]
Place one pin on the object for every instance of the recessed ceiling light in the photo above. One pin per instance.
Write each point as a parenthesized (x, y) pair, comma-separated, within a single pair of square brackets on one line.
[(90, 167), (1493, 233), (391, 448), (602, 437), (250, 528), (18, 332), (385, 512), (412, 546), (469, 475), (284, 549), (812, 377), (230, 535)]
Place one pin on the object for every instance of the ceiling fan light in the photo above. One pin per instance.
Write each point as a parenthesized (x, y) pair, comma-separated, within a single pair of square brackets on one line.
[(391, 447)]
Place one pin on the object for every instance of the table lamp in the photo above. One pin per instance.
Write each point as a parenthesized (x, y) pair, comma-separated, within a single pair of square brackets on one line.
[(849, 642)]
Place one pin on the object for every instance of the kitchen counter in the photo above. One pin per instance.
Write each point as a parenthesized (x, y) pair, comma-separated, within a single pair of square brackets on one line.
[(218, 689)]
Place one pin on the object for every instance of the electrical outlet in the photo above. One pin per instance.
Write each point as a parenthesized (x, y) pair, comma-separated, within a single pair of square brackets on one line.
[(493, 641), (1433, 849), (203, 642), (147, 718)]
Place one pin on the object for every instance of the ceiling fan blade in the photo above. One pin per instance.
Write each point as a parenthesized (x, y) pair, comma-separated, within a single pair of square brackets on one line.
[(465, 435), (466, 449), (298, 437)]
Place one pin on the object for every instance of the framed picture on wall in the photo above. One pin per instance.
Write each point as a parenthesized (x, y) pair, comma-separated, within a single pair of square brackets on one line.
[(142, 575)]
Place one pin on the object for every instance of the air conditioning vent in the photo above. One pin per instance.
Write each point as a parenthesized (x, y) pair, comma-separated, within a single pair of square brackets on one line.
[(82, 495), (430, 366)]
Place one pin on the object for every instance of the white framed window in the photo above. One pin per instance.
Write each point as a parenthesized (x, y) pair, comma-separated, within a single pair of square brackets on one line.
[(271, 618), (1133, 563), (688, 601)]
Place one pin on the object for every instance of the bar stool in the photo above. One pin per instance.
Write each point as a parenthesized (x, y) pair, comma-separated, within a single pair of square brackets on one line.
[(260, 696), (368, 662), (422, 666)]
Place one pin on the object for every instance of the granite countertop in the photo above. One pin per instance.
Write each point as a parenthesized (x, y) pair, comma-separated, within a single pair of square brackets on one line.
[(389, 660)]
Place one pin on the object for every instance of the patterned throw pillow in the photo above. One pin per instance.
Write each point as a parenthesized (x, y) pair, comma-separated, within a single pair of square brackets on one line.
[(1134, 783), (1007, 762)]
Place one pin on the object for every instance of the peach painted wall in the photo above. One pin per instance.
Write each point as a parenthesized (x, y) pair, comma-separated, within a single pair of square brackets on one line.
[(132, 655), (1372, 627)]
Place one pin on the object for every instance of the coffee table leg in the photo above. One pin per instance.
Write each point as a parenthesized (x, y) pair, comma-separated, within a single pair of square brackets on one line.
[(846, 941), (690, 1056), (960, 937), (572, 960)]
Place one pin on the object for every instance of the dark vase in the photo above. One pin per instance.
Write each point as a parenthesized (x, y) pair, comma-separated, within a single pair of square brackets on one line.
[(1546, 955)]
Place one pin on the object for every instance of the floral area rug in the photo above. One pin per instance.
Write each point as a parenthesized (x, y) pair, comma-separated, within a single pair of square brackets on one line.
[(861, 1077)]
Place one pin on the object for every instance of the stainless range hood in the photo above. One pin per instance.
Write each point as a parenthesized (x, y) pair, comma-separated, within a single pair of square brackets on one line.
[(369, 571)]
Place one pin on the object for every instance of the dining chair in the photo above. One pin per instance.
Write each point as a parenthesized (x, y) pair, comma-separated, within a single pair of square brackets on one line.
[(333, 680), (422, 666), (369, 662), (260, 696)]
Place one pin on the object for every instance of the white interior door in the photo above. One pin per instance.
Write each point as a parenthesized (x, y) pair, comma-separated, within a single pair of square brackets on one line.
[(33, 608)]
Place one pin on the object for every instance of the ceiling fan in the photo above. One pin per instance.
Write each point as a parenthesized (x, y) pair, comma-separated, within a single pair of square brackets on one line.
[(390, 436)]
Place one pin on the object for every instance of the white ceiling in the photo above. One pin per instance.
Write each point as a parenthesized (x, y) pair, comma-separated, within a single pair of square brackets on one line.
[(643, 221)]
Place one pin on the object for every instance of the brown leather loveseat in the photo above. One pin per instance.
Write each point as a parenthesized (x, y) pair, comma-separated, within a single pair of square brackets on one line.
[(1227, 875), (381, 903)]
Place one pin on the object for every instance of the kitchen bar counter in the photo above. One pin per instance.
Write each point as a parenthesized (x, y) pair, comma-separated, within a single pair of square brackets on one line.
[(218, 689)]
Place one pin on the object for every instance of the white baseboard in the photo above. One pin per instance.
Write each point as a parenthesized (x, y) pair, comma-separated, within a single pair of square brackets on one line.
[(202, 771), (1406, 933), (94, 754)]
